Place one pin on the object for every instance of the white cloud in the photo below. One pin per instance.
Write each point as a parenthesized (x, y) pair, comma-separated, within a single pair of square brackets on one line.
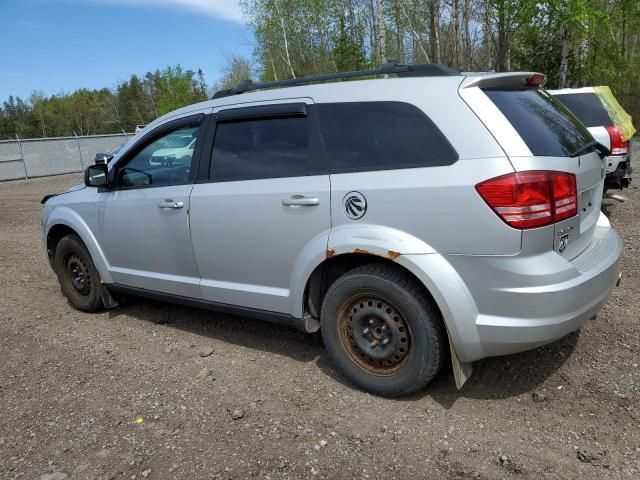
[(222, 9)]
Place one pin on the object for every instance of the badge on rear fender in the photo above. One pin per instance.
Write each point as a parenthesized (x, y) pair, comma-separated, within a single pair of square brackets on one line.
[(354, 205)]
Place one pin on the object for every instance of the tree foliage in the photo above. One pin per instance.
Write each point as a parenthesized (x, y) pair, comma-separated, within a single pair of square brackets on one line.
[(237, 70), (574, 42), (87, 112)]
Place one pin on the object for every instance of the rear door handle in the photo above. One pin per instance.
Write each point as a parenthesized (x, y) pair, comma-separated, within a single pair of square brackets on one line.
[(300, 201), (166, 204)]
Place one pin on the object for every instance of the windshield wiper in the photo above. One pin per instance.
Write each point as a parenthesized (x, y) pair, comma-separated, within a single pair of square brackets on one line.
[(593, 144)]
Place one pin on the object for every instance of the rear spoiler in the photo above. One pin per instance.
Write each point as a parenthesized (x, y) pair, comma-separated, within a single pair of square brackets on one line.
[(508, 79)]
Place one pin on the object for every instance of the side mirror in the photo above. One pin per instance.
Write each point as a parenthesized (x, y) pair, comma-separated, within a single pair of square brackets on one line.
[(104, 158), (96, 176)]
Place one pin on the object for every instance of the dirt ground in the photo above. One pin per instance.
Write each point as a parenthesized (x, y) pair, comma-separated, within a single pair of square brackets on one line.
[(127, 393)]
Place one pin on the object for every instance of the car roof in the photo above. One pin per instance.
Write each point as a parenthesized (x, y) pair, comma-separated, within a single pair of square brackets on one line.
[(371, 89)]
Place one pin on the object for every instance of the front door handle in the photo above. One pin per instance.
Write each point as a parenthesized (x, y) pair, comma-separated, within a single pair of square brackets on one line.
[(300, 201), (165, 204)]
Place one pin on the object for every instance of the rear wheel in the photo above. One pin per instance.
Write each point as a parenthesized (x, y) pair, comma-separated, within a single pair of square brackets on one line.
[(381, 331), (79, 279)]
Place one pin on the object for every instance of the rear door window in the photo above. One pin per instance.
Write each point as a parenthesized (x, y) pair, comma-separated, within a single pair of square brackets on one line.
[(546, 126), (587, 107), (258, 148), (364, 136)]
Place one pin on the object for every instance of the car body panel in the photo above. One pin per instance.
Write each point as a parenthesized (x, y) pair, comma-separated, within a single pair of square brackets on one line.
[(76, 210), (500, 289), (247, 242), (425, 203), (148, 246)]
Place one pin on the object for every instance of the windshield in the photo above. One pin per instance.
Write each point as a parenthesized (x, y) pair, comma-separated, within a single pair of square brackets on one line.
[(546, 126)]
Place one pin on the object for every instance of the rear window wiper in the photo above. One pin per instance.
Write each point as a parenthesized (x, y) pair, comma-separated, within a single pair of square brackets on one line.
[(593, 144)]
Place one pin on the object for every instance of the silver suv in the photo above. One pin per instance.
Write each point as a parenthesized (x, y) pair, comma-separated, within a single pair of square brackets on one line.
[(413, 219)]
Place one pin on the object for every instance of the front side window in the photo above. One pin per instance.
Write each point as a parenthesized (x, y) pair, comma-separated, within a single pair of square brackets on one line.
[(362, 136), (167, 160), (257, 148)]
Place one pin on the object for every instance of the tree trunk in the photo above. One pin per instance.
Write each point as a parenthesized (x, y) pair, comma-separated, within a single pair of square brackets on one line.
[(503, 41), (434, 34), (455, 6), (416, 37), (468, 53), (564, 59), (382, 32), (399, 42), (284, 37)]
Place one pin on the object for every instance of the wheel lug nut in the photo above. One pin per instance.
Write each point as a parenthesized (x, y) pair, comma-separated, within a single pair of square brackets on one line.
[(385, 341), (365, 331), (371, 321)]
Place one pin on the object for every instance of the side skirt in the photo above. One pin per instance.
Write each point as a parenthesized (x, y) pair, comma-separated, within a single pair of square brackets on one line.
[(268, 316)]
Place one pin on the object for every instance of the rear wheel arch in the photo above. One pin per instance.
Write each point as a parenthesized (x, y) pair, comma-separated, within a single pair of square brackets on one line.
[(328, 271)]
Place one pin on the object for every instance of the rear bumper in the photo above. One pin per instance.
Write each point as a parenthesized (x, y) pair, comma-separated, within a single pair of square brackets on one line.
[(618, 175), (503, 305), (549, 312)]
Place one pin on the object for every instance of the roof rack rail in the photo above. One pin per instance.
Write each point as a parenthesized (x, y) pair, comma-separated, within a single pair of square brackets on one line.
[(391, 67)]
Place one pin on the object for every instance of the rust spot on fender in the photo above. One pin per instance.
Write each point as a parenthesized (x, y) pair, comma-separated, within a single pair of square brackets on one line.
[(330, 253), (393, 255), (360, 250)]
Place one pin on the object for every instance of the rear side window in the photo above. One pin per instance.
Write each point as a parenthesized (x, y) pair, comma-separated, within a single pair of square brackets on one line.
[(361, 136), (587, 107), (264, 148), (543, 123)]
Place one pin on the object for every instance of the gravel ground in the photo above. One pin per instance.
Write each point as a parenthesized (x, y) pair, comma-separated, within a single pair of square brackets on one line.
[(151, 390)]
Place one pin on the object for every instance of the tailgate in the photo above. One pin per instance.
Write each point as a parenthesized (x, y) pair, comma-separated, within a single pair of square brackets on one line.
[(537, 132)]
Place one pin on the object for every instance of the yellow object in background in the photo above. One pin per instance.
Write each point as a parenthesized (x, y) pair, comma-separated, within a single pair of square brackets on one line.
[(615, 111)]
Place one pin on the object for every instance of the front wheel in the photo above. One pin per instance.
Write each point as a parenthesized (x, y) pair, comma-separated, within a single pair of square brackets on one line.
[(79, 279), (381, 330)]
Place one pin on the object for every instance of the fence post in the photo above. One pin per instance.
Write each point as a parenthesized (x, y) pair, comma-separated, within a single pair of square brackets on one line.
[(79, 151), (24, 165)]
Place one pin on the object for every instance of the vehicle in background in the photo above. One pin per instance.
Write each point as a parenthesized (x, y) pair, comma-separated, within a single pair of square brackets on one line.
[(178, 150), (416, 220), (110, 155), (139, 128), (607, 121)]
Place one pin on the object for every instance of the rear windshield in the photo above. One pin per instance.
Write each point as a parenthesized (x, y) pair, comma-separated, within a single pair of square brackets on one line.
[(543, 123), (587, 107)]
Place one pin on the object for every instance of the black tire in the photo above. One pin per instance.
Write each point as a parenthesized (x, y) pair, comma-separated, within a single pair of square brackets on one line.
[(383, 305), (79, 279)]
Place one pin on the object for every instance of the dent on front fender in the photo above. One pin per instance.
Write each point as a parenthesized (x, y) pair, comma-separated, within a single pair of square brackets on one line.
[(64, 215)]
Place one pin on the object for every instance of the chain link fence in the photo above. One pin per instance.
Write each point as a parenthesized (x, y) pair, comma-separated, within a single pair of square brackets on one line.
[(40, 157)]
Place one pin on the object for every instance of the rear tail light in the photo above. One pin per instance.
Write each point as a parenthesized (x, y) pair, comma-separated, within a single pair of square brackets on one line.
[(531, 199), (619, 142)]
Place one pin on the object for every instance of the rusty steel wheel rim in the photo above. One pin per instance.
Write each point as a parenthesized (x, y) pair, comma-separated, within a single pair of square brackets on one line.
[(77, 275), (374, 334)]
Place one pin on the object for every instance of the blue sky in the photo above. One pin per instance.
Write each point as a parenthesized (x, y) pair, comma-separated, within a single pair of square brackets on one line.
[(61, 45)]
